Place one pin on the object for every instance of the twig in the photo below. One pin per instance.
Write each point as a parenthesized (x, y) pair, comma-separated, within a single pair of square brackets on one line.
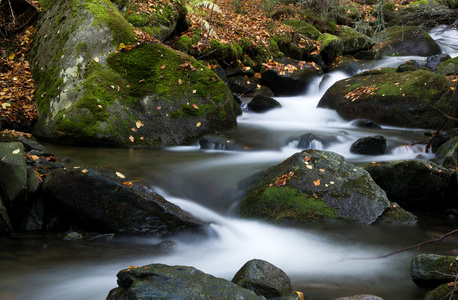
[(12, 13)]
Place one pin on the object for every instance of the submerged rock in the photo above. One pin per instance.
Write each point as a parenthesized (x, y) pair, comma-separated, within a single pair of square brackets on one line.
[(103, 200), (95, 83), (264, 279), (406, 99), (162, 282), (370, 145), (260, 104), (313, 187)]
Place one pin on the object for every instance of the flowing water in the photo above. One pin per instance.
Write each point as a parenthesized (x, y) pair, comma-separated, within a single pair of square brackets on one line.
[(325, 261)]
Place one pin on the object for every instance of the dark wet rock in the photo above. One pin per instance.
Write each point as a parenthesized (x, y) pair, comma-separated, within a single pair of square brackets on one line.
[(441, 292), (289, 83), (426, 13), (162, 282), (263, 91), (312, 141), (416, 185), (410, 66), (233, 71), (242, 85), (30, 144), (360, 297), (447, 154), (13, 180), (408, 40), (313, 187), (264, 279), (370, 145), (366, 124), (5, 225), (214, 142), (391, 98), (433, 62), (72, 236), (331, 47), (35, 217), (396, 216), (100, 200), (425, 269), (260, 104), (448, 67), (439, 140)]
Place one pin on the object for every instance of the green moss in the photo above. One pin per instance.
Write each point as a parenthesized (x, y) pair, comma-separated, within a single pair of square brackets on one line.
[(85, 125), (389, 6), (284, 204), (326, 39), (104, 11), (48, 88), (81, 47)]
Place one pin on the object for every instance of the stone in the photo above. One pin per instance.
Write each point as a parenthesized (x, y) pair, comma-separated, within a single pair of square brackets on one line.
[(163, 282), (370, 145), (313, 186), (447, 154), (105, 201), (264, 279), (260, 104), (426, 269)]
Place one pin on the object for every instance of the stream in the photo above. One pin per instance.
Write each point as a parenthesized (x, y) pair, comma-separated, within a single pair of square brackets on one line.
[(323, 261)]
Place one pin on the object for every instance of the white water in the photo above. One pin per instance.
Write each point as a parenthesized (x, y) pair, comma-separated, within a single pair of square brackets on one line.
[(317, 259)]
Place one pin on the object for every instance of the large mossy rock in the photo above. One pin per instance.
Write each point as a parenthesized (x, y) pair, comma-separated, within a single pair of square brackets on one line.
[(448, 67), (13, 180), (416, 185), (163, 282), (431, 270), (313, 187), (406, 99), (264, 279), (289, 77), (427, 13), (304, 28), (408, 40), (103, 200), (94, 84), (331, 47), (353, 40)]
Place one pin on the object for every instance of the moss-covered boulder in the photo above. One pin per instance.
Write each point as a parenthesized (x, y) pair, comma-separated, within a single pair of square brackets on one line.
[(313, 186), (288, 77), (106, 201), (406, 99), (163, 282), (447, 154), (331, 47), (353, 40), (448, 67), (408, 40), (432, 270), (304, 28), (96, 84), (427, 12), (416, 185), (160, 19)]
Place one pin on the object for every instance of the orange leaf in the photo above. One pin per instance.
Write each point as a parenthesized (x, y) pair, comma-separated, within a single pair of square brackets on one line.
[(180, 82), (195, 106), (316, 182), (128, 183), (163, 67)]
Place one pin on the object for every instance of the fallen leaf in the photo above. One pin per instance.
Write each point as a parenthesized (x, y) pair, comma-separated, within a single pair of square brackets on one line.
[(158, 108), (321, 170), (309, 167), (11, 57), (128, 183), (180, 82), (307, 158), (5, 105), (120, 175), (316, 182), (194, 91), (198, 124), (100, 106), (195, 106), (16, 151), (84, 171), (131, 138), (163, 67), (96, 59), (139, 124)]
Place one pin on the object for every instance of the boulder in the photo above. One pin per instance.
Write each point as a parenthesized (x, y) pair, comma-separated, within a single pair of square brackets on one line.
[(448, 67), (242, 85), (447, 154), (304, 28), (427, 13), (13, 180), (425, 269), (312, 141), (441, 292), (264, 279), (288, 77), (331, 47), (397, 216), (260, 104), (5, 225), (408, 40), (100, 80), (433, 62), (103, 200), (366, 124), (415, 185), (313, 186), (163, 282), (407, 99), (353, 41), (370, 145), (263, 91)]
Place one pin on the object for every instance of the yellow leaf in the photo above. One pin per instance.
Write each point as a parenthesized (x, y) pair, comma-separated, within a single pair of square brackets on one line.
[(317, 182), (100, 106), (131, 138), (96, 59), (452, 88), (309, 167), (11, 57), (84, 171), (120, 175), (139, 124), (299, 294), (16, 151), (198, 124), (5, 105), (195, 106)]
